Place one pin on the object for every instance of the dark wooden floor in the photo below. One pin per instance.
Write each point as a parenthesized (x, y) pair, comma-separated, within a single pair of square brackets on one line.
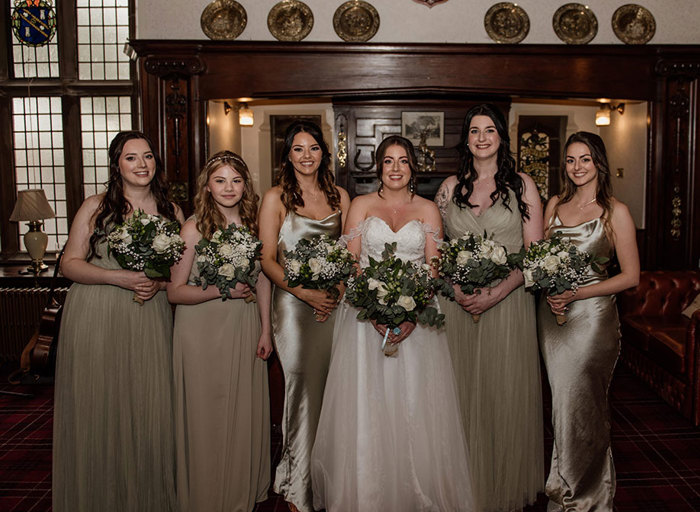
[(656, 451)]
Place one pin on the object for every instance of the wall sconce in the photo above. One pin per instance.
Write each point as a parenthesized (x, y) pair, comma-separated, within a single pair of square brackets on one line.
[(245, 115), (602, 116), (33, 207)]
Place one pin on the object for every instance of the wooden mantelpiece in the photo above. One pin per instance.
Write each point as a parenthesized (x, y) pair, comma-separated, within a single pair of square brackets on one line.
[(177, 77)]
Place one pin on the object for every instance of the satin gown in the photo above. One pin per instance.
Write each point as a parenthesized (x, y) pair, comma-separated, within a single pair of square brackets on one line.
[(304, 348), (222, 406), (390, 436), (497, 368), (580, 357), (113, 440)]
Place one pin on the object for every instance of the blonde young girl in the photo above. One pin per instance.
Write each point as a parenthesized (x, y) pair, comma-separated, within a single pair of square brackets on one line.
[(219, 352)]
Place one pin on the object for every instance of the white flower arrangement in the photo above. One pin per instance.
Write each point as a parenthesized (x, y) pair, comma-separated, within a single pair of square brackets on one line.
[(148, 243), (227, 259), (556, 265), (393, 291), (472, 262), (318, 263)]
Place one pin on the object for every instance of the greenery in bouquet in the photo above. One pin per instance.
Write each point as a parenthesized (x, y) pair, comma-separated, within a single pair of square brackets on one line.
[(148, 243), (227, 259), (318, 263), (473, 261), (556, 265), (392, 291)]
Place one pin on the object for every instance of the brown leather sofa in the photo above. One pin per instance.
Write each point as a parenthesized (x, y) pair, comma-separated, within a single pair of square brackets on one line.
[(659, 344)]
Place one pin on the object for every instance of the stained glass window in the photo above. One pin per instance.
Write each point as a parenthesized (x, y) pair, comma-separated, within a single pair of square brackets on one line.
[(103, 28), (35, 61)]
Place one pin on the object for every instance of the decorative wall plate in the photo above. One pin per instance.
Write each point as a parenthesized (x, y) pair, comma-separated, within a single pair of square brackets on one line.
[(356, 21), (290, 20), (575, 24), (633, 24), (506, 22), (223, 19)]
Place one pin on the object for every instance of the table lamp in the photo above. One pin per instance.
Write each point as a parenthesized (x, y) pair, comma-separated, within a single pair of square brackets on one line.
[(33, 207)]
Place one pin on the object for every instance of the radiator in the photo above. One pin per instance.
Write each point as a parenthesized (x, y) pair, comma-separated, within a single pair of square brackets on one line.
[(20, 314)]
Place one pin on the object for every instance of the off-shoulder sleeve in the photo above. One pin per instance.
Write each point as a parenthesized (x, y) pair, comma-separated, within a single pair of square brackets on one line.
[(359, 230), (432, 232)]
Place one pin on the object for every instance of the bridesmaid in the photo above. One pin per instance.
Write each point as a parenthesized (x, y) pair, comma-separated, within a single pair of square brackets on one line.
[(305, 203), (496, 361), (113, 446), (580, 356), (222, 414)]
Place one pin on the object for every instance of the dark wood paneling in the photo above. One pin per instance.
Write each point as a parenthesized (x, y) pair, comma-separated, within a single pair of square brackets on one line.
[(216, 69)]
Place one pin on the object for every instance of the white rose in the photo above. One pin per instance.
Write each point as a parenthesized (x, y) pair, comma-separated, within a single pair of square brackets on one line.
[(240, 262), (382, 292), (226, 250), (237, 235), (527, 274), (215, 237), (145, 221), (406, 302), (564, 255), (315, 266), (373, 283), (551, 262), (294, 266), (498, 256), (201, 258), (227, 270), (161, 243), (463, 257)]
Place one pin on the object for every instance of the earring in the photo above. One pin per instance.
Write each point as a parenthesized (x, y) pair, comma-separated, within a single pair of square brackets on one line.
[(381, 187), (412, 185)]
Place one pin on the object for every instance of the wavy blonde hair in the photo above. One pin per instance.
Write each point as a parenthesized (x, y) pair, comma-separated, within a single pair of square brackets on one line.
[(208, 216), (604, 197)]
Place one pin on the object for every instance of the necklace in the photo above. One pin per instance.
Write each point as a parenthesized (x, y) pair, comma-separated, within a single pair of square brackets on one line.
[(586, 204)]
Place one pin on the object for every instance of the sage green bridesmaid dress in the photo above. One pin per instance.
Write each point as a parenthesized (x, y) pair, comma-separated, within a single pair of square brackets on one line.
[(580, 357), (222, 406), (113, 440), (497, 370), (304, 348)]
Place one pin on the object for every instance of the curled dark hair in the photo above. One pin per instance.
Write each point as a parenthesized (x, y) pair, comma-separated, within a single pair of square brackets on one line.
[(291, 192), (114, 206), (604, 185), (506, 176), (397, 140)]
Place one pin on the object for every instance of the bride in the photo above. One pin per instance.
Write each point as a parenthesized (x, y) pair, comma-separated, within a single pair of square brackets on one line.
[(390, 436)]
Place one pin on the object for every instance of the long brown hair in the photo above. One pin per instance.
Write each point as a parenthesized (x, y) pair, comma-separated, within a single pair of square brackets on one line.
[(506, 176), (604, 189), (397, 140), (114, 206), (209, 217), (291, 192)]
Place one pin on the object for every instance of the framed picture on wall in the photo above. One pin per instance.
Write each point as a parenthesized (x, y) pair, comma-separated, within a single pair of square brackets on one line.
[(431, 125), (278, 126)]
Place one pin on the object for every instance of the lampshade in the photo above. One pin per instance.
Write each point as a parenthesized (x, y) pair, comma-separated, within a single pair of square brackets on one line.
[(32, 206), (245, 116), (602, 116)]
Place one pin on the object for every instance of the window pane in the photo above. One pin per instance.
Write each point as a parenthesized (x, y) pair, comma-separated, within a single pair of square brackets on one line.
[(39, 160), (101, 118), (104, 28), (34, 23)]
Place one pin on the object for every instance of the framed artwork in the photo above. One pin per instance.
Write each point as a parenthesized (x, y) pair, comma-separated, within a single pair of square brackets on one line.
[(278, 126), (428, 125)]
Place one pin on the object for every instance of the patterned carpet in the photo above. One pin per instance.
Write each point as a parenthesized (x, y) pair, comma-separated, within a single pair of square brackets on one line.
[(657, 452)]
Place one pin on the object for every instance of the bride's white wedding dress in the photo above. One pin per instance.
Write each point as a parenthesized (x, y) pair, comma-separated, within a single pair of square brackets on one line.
[(390, 436)]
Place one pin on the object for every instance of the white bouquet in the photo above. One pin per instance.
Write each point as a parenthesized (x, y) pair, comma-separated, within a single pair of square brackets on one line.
[(147, 243), (227, 259)]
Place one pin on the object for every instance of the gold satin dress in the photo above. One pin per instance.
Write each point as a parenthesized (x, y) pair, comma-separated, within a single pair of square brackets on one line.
[(304, 348), (497, 369), (580, 357)]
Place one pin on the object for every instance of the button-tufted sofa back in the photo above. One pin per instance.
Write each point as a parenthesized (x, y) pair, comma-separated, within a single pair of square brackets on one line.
[(660, 293)]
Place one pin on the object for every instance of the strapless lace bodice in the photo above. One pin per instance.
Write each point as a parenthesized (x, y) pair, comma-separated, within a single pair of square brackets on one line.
[(410, 240)]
